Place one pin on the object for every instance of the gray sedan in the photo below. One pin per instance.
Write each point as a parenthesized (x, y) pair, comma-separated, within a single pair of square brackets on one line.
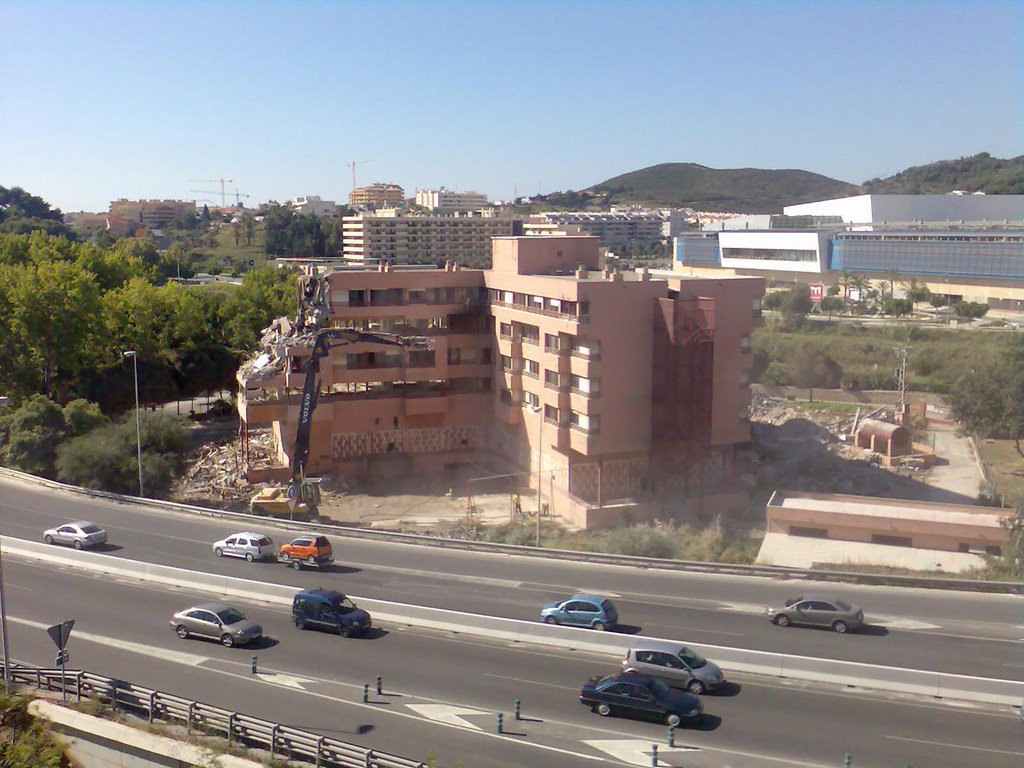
[(77, 535), (817, 610), (216, 621)]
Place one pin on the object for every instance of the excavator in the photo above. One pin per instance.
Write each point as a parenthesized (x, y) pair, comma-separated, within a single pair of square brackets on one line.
[(301, 498)]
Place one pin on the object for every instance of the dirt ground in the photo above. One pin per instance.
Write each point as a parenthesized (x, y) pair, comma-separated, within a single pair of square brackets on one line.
[(797, 447)]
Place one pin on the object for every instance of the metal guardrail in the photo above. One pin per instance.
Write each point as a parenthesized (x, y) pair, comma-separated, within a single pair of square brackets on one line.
[(764, 571), (281, 741)]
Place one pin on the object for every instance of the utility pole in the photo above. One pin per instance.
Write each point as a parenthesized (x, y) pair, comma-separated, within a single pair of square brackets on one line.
[(901, 373)]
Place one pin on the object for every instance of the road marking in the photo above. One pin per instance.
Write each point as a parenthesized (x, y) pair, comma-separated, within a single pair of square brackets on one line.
[(910, 625), (957, 746), (447, 714), (743, 607), (532, 682), (288, 681), (697, 629), (110, 642), (635, 751)]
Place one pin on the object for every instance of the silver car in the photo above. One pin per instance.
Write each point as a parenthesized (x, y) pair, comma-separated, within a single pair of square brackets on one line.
[(216, 621), (817, 610), (251, 546), (674, 664), (77, 535)]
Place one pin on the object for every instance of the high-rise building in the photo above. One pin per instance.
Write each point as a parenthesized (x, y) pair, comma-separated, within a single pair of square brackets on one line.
[(377, 196), (392, 236), (446, 201)]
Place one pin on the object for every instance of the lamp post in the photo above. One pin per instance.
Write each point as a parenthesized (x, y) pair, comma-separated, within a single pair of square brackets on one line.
[(138, 423), (539, 410)]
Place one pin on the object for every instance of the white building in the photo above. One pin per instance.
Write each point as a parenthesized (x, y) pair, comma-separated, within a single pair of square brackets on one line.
[(446, 201), (864, 210), (314, 205)]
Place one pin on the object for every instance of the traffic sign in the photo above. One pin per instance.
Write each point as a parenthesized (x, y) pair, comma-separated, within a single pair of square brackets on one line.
[(60, 633), (63, 657)]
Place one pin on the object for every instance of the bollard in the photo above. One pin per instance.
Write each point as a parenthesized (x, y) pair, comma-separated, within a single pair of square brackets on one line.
[(672, 736), (254, 665), (654, 755), (498, 723), (516, 709), (366, 693), (847, 760), (380, 685)]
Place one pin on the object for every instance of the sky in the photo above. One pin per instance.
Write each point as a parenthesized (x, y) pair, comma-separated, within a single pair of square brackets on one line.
[(153, 99)]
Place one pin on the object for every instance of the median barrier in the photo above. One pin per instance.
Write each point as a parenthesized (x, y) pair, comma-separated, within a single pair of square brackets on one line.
[(763, 571), (857, 674)]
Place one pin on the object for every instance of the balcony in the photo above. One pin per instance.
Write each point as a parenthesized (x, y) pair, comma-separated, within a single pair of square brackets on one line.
[(541, 311)]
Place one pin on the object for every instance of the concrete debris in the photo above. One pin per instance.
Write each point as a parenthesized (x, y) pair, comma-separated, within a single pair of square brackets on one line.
[(215, 472)]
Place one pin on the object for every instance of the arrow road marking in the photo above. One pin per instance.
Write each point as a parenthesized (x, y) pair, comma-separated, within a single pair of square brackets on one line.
[(289, 681), (449, 715), (635, 751)]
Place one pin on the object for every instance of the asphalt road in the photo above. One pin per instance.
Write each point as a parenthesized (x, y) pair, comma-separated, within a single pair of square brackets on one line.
[(964, 633), (314, 680)]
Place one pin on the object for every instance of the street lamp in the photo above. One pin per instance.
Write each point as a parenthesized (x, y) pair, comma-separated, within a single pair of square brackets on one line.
[(138, 424), (539, 409)]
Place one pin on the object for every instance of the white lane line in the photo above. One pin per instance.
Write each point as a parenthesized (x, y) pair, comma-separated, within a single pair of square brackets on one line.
[(696, 629), (531, 682), (635, 751), (110, 642), (448, 715), (957, 746)]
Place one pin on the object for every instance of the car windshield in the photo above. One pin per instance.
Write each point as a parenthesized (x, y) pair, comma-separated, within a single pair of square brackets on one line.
[(230, 616), (659, 689), (343, 606), (693, 661), (90, 528), (843, 606)]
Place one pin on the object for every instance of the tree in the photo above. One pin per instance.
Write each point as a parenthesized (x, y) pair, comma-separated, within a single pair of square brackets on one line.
[(897, 307), (989, 401), (809, 367), (845, 282), (892, 276), (916, 290), (1011, 560), (33, 432), (249, 223), (81, 416), (265, 294), (970, 310), (795, 305)]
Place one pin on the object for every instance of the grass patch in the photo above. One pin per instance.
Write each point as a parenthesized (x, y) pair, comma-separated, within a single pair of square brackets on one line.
[(1007, 467)]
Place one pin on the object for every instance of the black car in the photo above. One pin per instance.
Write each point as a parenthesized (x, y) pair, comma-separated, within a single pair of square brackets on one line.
[(330, 610), (640, 696)]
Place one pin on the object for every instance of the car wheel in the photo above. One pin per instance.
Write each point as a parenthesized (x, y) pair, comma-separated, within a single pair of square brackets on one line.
[(782, 620), (599, 626), (300, 623), (345, 631), (603, 709), (227, 640), (672, 719), (78, 544), (297, 565), (696, 687), (182, 631), (840, 627), (310, 561), (48, 539), (218, 552), (550, 620), (248, 557)]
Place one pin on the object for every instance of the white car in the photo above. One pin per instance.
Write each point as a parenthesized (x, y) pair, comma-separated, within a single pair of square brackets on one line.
[(77, 535), (251, 546)]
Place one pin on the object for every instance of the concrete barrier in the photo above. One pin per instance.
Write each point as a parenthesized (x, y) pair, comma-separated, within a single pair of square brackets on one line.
[(849, 673)]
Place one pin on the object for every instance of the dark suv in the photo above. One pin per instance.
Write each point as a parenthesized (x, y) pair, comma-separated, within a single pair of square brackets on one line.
[(329, 610)]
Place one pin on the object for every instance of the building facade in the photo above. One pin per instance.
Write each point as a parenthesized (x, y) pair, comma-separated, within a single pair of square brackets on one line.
[(978, 256), (446, 201), (399, 238), (613, 228), (312, 204), (620, 396), (377, 196), (151, 214)]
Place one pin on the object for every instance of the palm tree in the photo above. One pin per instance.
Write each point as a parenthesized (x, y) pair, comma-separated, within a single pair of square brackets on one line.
[(860, 284), (892, 276), (845, 281)]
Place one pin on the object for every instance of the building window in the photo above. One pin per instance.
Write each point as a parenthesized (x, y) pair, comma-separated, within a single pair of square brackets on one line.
[(584, 386), (892, 541), (551, 342), (506, 363), (581, 422), (507, 397), (811, 533), (486, 355), (586, 348), (531, 400), (552, 379), (531, 368), (505, 330), (551, 414), (530, 334)]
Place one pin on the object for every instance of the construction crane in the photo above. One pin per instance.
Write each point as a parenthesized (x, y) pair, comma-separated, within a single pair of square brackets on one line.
[(238, 195), (223, 194), (353, 165)]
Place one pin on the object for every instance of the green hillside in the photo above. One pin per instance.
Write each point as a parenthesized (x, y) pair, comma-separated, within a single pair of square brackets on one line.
[(978, 173), (747, 190)]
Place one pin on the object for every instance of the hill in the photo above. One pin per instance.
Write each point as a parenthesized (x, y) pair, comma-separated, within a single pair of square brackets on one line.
[(978, 173), (747, 190)]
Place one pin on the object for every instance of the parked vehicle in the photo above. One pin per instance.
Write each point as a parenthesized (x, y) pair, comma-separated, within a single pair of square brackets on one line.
[(216, 621), (78, 535), (251, 546), (817, 610), (328, 610), (310, 549), (591, 611), (637, 695), (674, 664)]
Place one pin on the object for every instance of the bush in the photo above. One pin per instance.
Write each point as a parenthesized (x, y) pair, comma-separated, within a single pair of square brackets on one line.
[(27, 742), (641, 540)]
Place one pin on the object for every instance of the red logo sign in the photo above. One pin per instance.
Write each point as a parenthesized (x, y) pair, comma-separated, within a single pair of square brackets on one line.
[(817, 291)]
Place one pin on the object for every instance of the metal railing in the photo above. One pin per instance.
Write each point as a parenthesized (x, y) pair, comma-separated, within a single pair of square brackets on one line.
[(246, 731)]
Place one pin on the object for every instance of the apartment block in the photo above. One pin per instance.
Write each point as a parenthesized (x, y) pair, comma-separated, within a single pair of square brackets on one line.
[(377, 196), (618, 397), (399, 238), (446, 201), (612, 228), (152, 214), (312, 204)]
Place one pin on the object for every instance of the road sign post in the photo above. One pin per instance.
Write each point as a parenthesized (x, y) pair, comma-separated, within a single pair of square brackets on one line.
[(60, 633)]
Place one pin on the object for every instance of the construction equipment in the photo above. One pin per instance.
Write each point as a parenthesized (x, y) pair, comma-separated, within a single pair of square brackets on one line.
[(223, 194), (353, 165)]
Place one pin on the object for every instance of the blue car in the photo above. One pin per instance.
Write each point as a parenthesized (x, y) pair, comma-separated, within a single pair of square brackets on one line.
[(591, 611)]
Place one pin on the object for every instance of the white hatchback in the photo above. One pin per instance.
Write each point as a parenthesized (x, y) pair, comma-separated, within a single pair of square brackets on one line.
[(251, 546)]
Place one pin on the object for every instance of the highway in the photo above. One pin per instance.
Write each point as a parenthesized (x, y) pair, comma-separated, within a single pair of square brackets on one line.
[(964, 633), (314, 680)]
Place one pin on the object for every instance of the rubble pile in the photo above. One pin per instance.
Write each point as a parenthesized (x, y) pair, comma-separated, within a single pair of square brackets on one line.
[(275, 338), (216, 473)]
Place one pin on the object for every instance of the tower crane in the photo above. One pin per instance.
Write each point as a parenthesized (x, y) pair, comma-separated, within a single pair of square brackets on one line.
[(223, 194), (353, 165)]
